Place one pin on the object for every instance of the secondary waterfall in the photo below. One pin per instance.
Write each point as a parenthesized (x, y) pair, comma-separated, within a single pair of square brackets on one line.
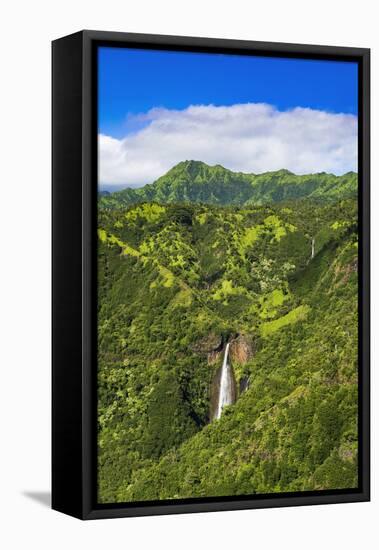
[(226, 385), (313, 249)]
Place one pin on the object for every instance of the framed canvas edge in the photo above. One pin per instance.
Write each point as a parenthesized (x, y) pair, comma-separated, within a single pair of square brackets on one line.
[(92, 510)]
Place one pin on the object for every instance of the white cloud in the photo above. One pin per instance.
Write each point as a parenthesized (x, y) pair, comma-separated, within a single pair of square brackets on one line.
[(251, 137)]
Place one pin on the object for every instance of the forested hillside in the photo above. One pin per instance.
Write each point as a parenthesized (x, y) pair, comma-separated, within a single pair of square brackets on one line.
[(205, 257)]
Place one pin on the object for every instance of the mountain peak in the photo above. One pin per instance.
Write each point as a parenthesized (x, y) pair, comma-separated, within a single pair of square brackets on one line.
[(190, 166), (196, 181), (283, 172)]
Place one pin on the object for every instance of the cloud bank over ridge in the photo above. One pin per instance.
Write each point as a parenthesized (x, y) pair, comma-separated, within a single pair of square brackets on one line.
[(250, 137)]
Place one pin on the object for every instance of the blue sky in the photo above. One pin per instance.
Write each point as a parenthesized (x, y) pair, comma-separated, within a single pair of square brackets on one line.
[(146, 94), (134, 81)]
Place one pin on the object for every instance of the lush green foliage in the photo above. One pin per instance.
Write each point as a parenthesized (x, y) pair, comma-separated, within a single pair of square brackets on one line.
[(194, 181), (177, 280)]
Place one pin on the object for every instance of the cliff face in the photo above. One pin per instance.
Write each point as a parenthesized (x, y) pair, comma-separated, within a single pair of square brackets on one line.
[(242, 349), (209, 344)]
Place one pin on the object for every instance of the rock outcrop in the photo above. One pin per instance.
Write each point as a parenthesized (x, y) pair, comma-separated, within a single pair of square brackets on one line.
[(208, 344), (242, 349)]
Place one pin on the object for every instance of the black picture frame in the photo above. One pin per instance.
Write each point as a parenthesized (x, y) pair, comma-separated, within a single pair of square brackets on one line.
[(74, 176)]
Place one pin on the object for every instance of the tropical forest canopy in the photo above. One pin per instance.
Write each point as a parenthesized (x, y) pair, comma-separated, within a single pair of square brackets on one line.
[(204, 257)]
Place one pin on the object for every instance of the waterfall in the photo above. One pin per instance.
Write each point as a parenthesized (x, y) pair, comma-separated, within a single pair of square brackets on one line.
[(226, 385), (313, 249)]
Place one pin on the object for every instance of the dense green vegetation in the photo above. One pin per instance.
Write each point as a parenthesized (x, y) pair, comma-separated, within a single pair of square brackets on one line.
[(179, 279), (194, 181)]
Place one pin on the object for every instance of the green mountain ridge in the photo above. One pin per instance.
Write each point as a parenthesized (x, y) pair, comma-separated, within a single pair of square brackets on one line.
[(196, 182)]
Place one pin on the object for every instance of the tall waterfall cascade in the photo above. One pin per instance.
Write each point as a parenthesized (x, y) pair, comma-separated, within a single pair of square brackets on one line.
[(226, 385), (313, 249)]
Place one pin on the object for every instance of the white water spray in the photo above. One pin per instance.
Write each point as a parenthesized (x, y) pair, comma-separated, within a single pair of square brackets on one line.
[(226, 385)]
